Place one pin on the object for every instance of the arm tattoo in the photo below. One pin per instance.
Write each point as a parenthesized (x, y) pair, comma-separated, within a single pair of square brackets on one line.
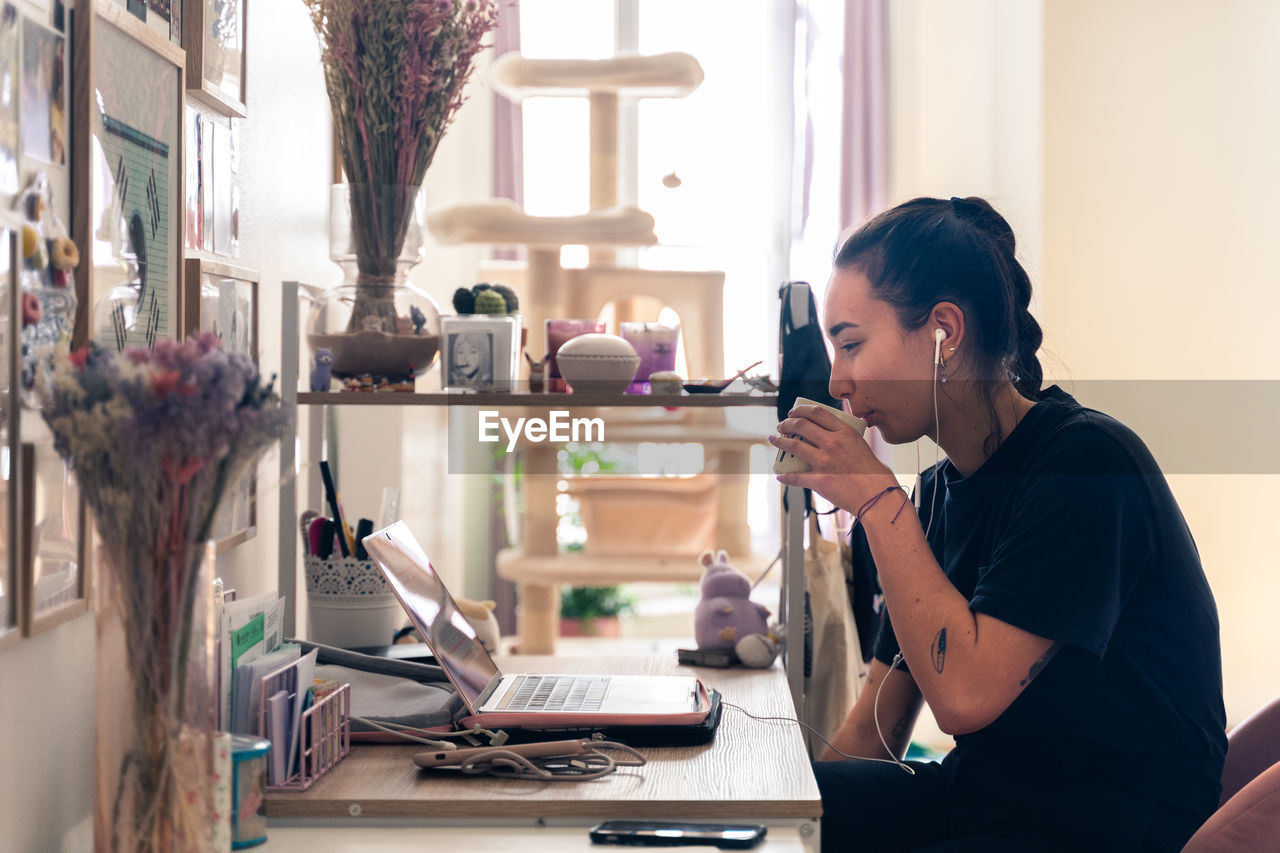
[(1039, 665), (939, 650), (902, 727)]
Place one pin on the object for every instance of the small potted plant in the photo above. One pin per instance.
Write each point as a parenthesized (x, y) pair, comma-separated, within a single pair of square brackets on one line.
[(592, 611)]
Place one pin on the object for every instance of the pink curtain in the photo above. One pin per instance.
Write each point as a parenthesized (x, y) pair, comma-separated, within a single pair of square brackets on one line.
[(864, 164), (508, 123)]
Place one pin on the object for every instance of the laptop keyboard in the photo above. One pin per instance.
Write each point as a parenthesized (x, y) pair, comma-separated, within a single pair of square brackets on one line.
[(557, 693)]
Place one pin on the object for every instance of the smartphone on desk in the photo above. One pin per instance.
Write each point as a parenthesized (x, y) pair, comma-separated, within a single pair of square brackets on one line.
[(654, 833)]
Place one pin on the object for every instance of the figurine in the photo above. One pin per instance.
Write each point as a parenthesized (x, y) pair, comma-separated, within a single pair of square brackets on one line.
[(537, 373), (419, 319), (320, 374)]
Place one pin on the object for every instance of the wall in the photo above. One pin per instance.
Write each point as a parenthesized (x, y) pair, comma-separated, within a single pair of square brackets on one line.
[(1161, 127), (46, 702), (1131, 144)]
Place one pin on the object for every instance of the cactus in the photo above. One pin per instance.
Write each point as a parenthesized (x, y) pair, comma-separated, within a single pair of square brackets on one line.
[(490, 302), (464, 301), (513, 301)]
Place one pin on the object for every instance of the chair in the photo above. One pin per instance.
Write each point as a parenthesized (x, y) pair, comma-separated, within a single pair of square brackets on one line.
[(1248, 818)]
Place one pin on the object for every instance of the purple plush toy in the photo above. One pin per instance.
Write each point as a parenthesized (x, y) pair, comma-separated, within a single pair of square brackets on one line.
[(725, 614)]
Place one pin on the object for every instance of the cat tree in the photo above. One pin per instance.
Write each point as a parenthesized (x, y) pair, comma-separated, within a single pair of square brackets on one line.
[(549, 291)]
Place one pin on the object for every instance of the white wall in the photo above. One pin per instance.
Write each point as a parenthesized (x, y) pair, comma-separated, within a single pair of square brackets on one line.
[(1131, 143), (1161, 131)]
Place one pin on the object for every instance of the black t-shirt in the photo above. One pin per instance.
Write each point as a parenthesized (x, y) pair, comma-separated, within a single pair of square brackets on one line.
[(1069, 531)]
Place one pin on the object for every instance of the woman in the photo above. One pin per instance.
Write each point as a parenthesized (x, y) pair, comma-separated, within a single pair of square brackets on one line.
[(472, 355), (1047, 600)]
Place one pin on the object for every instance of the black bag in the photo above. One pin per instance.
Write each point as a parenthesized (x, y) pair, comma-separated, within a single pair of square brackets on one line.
[(804, 368)]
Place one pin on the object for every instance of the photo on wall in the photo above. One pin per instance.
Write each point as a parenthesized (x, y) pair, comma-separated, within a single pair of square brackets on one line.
[(8, 99), (44, 94), (133, 227), (223, 299)]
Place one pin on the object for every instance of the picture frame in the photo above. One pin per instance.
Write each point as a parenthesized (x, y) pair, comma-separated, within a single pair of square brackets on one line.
[(10, 119), (129, 89), (479, 351), (223, 299), (215, 38), (43, 102), (163, 17), (10, 589), (54, 578)]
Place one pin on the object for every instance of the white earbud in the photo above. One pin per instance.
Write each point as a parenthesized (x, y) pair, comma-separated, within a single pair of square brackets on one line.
[(938, 337)]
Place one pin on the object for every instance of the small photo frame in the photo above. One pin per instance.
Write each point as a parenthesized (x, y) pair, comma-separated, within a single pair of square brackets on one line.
[(130, 224), (55, 586), (44, 93), (162, 17), (479, 351), (10, 138), (214, 38), (10, 589), (223, 299)]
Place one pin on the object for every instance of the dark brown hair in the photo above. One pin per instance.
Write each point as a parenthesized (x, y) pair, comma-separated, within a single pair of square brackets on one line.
[(931, 250)]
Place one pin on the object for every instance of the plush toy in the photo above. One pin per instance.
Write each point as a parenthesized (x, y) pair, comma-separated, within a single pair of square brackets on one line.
[(321, 374), (760, 650), (726, 614), (478, 613)]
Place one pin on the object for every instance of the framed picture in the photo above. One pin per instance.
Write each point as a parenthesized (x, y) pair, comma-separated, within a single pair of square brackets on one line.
[(130, 221), (479, 351), (215, 41), (223, 299), (44, 93), (9, 125), (54, 586), (162, 17), (10, 589)]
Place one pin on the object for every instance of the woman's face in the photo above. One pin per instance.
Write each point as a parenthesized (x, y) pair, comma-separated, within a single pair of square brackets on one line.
[(882, 369), (466, 356)]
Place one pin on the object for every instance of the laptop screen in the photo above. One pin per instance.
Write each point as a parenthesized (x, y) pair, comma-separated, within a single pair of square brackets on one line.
[(431, 607)]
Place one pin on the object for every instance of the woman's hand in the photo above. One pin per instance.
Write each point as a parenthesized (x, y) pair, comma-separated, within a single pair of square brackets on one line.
[(842, 467)]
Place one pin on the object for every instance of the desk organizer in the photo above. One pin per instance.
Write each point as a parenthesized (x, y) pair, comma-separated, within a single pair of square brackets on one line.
[(325, 728), (349, 603)]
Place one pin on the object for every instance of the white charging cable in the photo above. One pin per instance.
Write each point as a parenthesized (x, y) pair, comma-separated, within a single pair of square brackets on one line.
[(820, 737)]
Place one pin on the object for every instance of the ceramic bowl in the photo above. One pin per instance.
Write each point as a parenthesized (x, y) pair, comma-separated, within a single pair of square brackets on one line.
[(598, 363)]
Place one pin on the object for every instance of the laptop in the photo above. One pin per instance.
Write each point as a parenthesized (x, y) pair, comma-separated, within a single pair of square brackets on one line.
[(522, 700)]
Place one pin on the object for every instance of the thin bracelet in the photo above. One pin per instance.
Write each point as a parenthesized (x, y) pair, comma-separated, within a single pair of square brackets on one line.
[(866, 507)]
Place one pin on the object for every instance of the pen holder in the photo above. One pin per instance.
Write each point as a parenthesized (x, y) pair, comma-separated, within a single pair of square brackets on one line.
[(349, 603)]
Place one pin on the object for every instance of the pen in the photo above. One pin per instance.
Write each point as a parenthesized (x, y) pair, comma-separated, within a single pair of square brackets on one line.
[(363, 529), (325, 551), (331, 495)]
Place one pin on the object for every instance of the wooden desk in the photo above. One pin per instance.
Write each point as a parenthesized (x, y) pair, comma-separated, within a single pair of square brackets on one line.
[(753, 772)]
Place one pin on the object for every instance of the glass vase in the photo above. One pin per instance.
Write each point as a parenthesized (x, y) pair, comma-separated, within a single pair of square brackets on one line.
[(156, 715), (375, 323)]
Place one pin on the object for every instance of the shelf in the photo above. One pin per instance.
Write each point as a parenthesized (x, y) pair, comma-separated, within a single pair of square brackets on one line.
[(503, 398), (585, 569), (663, 75), (502, 222)]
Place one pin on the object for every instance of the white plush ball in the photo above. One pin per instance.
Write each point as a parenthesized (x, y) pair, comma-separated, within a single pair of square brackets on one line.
[(756, 650)]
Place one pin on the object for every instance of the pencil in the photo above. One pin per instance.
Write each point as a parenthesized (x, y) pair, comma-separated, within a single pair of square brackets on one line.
[(331, 495)]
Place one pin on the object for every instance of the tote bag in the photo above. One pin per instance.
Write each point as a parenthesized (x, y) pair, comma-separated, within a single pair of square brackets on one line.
[(834, 668)]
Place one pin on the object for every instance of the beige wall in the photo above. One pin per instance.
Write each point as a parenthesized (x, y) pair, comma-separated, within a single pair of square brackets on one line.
[(1160, 256), (1132, 145)]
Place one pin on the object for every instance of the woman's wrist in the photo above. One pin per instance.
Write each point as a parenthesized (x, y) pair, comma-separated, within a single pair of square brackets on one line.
[(884, 501)]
